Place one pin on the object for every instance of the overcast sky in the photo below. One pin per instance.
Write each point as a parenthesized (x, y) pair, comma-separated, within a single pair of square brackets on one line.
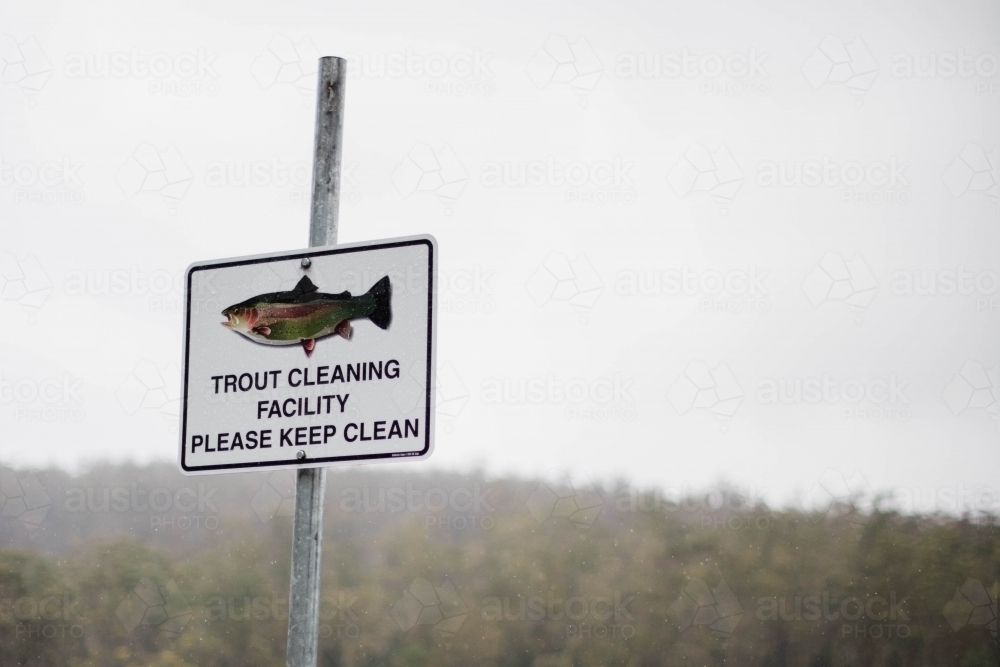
[(663, 219)]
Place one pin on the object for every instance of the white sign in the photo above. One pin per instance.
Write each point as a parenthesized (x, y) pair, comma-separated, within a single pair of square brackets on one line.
[(310, 358)]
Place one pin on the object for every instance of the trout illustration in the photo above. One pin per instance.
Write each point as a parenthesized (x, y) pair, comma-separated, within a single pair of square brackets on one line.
[(304, 314)]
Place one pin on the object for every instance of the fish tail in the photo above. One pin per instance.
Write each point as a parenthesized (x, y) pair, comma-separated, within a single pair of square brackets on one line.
[(381, 292)]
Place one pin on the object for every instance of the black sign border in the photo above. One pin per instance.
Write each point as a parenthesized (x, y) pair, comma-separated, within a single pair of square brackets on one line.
[(307, 462)]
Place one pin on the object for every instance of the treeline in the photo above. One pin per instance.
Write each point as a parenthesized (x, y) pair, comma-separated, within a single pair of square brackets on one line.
[(128, 566)]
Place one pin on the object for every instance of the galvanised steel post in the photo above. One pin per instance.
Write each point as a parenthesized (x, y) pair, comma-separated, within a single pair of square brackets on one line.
[(310, 483)]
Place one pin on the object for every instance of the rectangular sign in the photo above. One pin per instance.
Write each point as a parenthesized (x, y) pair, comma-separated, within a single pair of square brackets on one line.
[(310, 358)]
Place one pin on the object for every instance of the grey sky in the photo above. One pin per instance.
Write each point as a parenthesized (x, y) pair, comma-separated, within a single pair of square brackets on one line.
[(657, 221)]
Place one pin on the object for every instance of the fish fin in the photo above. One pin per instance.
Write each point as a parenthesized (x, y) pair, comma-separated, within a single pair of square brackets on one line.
[(309, 344), (263, 331), (344, 330), (381, 315), (304, 286)]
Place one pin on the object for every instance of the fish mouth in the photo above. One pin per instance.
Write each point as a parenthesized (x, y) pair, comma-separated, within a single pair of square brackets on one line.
[(230, 321)]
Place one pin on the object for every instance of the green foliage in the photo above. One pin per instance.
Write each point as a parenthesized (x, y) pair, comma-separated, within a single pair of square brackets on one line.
[(636, 584)]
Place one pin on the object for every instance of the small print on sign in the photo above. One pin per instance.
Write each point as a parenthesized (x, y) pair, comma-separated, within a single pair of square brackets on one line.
[(310, 358)]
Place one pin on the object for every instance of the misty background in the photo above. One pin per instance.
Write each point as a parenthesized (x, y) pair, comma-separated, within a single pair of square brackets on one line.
[(675, 219), (718, 311)]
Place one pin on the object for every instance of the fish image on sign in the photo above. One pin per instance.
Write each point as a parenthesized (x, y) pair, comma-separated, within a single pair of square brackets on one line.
[(324, 357), (304, 314)]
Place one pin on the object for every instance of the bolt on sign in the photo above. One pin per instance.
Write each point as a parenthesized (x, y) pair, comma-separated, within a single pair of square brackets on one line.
[(310, 358)]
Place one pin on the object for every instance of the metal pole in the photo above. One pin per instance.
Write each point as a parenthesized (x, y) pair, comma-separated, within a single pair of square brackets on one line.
[(310, 483), (326, 156)]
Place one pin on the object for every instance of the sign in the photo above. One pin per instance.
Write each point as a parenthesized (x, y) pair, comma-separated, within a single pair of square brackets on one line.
[(310, 358)]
